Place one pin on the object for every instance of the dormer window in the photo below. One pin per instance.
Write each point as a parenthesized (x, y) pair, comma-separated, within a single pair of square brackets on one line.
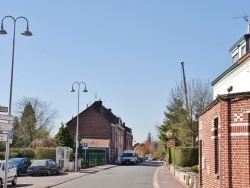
[(243, 50), (235, 58)]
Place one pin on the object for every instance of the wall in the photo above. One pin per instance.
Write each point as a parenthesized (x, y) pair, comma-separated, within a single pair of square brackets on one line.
[(234, 143), (237, 78)]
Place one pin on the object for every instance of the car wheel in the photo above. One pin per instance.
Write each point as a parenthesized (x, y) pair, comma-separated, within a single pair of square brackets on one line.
[(48, 173), (58, 171), (14, 181)]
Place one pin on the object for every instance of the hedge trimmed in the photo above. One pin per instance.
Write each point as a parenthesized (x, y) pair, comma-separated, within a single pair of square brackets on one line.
[(184, 156), (45, 153), (17, 152)]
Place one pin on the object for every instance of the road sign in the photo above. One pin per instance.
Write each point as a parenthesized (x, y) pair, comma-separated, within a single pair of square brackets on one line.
[(85, 145), (3, 137), (10, 134), (5, 126), (6, 117), (3, 109), (171, 143)]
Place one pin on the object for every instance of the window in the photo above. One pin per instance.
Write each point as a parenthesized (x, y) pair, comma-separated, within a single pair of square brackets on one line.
[(243, 50), (216, 146), (235, 58)]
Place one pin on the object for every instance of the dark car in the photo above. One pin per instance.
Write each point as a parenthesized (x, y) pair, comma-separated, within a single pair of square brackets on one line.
[(45, 166), (21, 164)]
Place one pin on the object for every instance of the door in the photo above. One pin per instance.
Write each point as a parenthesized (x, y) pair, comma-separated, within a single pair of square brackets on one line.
[(11, 171)]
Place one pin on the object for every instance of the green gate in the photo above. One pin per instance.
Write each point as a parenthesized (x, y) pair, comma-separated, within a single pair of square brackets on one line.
[(94, 157)]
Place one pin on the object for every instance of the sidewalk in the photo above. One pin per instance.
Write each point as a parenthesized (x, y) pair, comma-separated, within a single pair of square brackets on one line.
[(164, 179)]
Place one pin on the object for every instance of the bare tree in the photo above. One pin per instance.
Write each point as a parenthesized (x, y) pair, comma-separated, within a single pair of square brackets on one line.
[(45, 114), (180, 118)]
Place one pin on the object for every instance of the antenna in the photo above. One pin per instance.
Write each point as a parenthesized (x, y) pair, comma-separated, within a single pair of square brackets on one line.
[(95, 95), (245, 17)]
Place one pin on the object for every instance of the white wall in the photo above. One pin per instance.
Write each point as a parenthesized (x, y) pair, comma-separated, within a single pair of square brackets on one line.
[(239, 78)]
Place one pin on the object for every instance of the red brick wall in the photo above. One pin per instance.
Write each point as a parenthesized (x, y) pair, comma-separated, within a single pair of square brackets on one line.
[(234, 145), (91, 124)]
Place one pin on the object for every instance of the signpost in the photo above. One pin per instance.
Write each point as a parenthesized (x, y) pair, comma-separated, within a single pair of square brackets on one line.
[(6, 117), (3, 137), (5, 126), (3, 109), (85, 146), (171, 144)]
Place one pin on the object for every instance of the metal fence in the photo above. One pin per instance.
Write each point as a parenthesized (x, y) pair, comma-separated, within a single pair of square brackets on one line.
[(94, 157)]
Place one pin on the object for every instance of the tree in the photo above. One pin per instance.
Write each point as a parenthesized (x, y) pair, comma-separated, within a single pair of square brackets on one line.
[(149, 140), (34, 120), (181, 119), (63, 137)]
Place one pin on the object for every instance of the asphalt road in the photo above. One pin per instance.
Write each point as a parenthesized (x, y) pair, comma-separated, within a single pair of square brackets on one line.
[(132, 176), (105, 176)]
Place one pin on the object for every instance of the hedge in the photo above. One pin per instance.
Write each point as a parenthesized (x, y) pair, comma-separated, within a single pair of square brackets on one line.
[(184, 156), (45, 153)]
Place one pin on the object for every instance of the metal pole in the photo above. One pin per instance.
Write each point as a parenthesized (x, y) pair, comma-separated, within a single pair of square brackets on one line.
[(85, 159), (10, 102), (174, 160), (77, 124), (26, 33)]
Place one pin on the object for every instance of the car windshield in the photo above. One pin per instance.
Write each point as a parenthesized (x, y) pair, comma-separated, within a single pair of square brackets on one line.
[(39, 163), (127, 154), (16, 161)]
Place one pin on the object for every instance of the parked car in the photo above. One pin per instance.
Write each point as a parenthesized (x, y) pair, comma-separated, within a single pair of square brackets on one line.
[(12, 176), (21, 164), (45, 166), (129, 156)]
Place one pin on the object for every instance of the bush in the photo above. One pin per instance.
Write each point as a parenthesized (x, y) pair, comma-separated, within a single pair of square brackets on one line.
[(185, 156), (195, 168), (45, 153), (25, 152)]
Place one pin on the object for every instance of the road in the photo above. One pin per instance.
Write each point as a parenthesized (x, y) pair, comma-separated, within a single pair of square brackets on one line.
[(106, 176), (132, 176)]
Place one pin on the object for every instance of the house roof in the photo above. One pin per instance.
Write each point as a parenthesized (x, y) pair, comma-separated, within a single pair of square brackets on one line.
[(106, 113), (241, 60), (96, 143), (223, 98), (237, 43)]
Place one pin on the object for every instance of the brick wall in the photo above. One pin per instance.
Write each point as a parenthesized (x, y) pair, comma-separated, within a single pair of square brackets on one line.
[(91, 125), (233, 144)]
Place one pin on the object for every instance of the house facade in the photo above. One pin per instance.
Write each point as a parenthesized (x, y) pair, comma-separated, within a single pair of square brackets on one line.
[(224, 125), (102, 129)]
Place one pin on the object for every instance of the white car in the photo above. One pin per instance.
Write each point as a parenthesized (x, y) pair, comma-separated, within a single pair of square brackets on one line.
[(12, 173)]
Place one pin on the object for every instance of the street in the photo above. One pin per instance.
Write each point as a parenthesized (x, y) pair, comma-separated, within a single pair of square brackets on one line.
[(106, 176), (133, 176)]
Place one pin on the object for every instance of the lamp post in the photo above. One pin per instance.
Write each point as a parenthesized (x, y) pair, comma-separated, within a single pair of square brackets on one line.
[(25, 33), (77, 124), (3, 32)]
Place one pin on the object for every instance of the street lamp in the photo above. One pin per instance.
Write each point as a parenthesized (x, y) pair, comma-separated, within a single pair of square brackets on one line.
[(25, 33), (3, 32), (77, 124)]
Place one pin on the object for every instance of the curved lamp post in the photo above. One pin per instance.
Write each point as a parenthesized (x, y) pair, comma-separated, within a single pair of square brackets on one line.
[(3, 32), (25, 33), (77, 124)]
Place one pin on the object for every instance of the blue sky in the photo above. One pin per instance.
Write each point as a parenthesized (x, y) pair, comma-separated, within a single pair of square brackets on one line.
[(128, 52)]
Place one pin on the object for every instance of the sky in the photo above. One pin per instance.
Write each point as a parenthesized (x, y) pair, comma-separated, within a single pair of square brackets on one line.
[(128, 52)]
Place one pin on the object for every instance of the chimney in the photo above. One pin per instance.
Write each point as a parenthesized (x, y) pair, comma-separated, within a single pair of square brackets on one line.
[(248, 29)]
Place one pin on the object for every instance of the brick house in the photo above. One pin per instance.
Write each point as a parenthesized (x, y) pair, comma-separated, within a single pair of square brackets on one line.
[(224, 125), (102, 129)]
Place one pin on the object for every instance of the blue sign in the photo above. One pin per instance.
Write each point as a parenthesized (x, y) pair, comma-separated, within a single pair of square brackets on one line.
[(85, 145)]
